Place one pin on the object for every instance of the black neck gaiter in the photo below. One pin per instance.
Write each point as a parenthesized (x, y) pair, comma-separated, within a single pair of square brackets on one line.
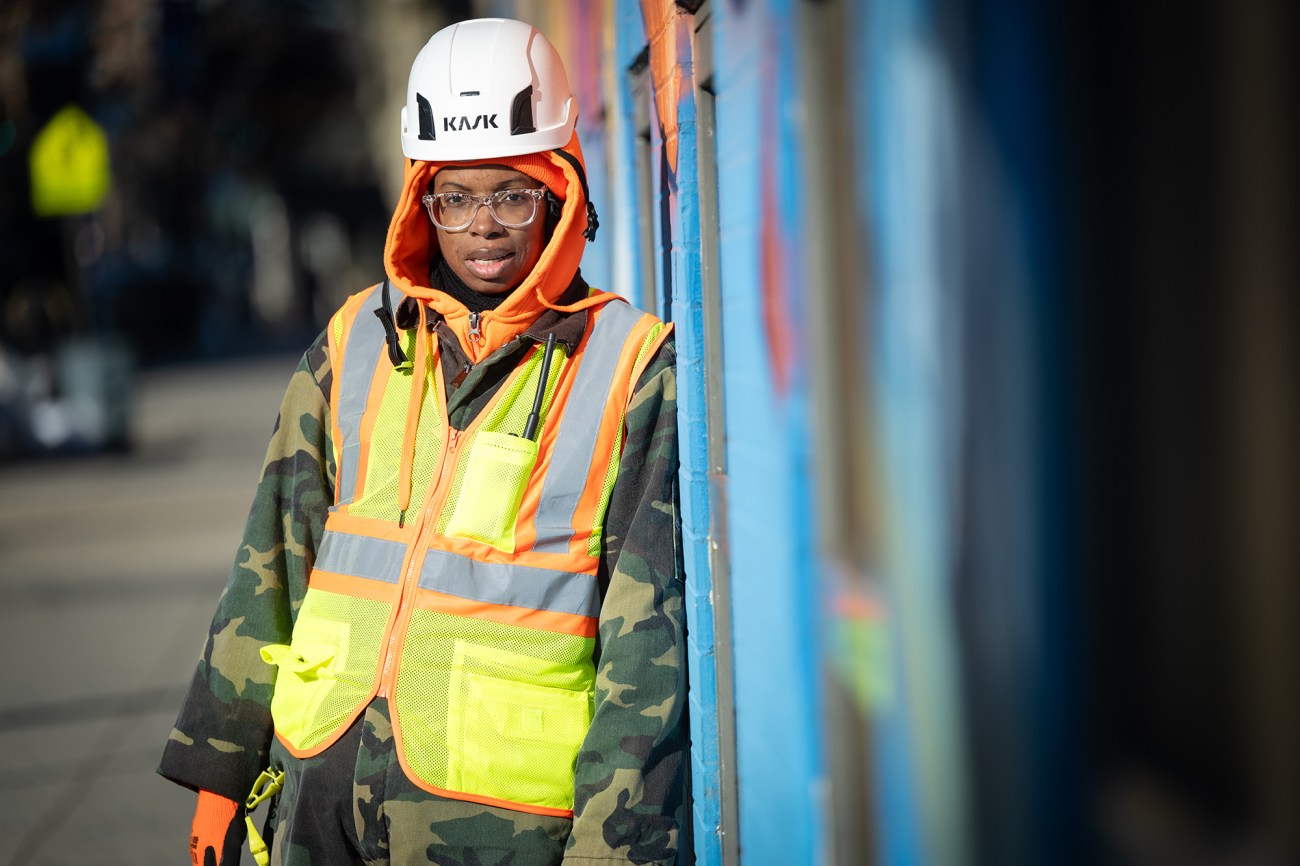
[(443, 278)]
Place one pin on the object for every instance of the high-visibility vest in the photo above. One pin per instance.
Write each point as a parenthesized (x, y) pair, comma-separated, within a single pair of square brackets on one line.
[(477, 617), (69, 165)]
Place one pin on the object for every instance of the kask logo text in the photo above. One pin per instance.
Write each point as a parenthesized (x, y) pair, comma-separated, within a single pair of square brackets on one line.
[(459, 124)]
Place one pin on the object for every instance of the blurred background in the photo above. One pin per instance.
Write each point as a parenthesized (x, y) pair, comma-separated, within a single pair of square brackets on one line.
[(987, 338), (184, 181)]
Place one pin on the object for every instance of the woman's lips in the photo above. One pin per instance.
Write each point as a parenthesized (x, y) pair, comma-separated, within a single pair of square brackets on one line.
[(489, 265)]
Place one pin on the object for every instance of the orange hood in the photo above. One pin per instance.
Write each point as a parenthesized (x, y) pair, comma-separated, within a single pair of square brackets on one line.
[(411, 246)]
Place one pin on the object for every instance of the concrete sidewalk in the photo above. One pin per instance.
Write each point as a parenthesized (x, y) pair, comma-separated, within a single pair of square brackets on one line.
[(109, 570)]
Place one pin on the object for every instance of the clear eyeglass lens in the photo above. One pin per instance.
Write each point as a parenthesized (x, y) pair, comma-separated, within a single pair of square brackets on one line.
[(510, 207)]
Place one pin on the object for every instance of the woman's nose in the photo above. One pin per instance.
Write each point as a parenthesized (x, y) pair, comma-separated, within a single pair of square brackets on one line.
[(484, 224)]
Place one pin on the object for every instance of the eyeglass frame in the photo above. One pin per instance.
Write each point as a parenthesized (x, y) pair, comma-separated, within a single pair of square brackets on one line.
[(482, 201)]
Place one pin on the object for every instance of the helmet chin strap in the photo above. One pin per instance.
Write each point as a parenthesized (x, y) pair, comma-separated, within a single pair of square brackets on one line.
[(593, 222)]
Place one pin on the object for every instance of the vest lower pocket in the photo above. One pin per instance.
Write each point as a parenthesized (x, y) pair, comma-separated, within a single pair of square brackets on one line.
[(481, 719), (496, 475), (328, 669), (519, 741)]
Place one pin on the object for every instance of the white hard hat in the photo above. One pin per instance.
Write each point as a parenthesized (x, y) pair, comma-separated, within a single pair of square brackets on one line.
[(485, 88)]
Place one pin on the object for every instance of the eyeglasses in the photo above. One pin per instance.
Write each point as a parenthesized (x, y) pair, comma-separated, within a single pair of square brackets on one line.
[(454, 211)]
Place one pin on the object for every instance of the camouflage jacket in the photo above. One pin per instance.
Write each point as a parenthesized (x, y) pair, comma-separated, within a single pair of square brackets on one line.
[(629, 774)]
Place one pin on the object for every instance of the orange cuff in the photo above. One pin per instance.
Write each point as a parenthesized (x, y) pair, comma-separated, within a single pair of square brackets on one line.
[(212, 818)]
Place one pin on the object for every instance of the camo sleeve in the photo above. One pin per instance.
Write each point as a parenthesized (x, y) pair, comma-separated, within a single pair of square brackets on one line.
[(629, 774), (223, 733)]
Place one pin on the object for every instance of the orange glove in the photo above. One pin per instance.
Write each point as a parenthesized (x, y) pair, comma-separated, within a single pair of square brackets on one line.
[(218, 831)]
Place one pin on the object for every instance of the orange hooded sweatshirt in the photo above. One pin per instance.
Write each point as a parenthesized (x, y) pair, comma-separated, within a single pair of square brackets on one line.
[(412, 245)]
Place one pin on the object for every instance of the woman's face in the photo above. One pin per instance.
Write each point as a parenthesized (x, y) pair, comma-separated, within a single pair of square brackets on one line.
[(487, 256)]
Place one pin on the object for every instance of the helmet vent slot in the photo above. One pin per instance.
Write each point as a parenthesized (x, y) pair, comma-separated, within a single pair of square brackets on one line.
[(469, 93), (521, 113), (426, 119)]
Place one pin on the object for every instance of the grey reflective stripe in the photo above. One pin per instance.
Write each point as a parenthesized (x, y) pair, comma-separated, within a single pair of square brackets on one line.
[(575, 444), (360, 355), (518, 585), (361, 556)]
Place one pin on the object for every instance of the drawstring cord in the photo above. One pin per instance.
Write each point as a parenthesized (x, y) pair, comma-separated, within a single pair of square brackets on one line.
[(593, 222), (414, 405), (385, 314), (415, 399)]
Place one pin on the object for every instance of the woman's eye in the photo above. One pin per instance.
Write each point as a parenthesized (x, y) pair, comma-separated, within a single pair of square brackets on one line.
[(454, 199), (512, 197)]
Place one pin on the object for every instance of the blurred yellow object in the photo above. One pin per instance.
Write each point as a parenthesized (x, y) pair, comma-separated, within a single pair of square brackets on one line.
[(69, 165)]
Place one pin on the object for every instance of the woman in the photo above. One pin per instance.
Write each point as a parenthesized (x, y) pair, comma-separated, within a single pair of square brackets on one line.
[(453, 633)]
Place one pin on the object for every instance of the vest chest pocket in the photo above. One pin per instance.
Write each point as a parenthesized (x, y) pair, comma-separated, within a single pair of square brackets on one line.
[(487, 505)]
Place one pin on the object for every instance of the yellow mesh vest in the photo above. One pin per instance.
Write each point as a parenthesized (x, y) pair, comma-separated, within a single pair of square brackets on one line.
[(483, 648)]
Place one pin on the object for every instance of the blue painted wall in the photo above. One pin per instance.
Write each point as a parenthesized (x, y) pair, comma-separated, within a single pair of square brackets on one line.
[(774, 610), (910, 125), (948, 171), (677, 249), (682, 190), (629, 40)]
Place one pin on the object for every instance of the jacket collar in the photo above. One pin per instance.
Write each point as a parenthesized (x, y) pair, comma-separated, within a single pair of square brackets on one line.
[(567, 319)]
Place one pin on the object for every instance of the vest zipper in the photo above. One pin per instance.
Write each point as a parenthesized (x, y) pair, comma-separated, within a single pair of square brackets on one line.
[(451, 441), (474, 335), (428, 518), (434, 502), (404, 592)]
